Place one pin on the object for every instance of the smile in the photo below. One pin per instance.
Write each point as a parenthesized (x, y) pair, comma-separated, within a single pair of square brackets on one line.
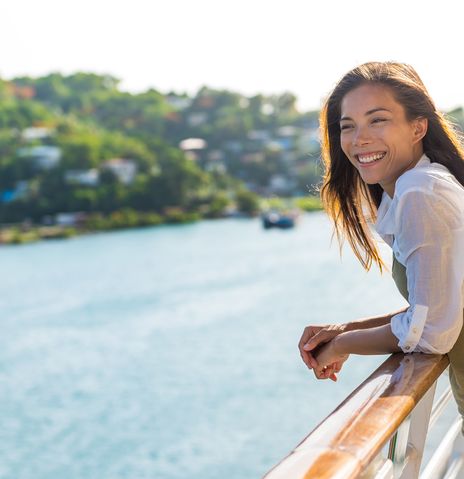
[(370, 157)]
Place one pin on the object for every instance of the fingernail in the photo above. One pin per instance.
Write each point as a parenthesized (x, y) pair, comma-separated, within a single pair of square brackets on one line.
[(306, 347)]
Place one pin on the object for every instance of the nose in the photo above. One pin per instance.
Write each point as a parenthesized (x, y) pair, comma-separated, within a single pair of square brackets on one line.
[(361, 136)]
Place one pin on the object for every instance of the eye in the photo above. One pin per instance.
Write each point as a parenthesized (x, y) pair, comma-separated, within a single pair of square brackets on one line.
[(378, 120), (345, 127)]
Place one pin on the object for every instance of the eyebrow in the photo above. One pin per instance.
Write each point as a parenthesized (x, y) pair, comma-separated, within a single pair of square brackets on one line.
[(374, 110)]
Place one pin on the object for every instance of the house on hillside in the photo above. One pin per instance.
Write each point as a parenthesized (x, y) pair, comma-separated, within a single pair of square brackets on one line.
[(178, 102), (190, 144), (216, 161), (197, 118), (194, 148), (83, 177), (36, 133), (124, 169), (280, 185), (19, 192), (70, 219), (44, 157)]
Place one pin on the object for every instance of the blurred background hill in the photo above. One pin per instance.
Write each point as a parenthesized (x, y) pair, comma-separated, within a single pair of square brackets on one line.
[(78, 143)]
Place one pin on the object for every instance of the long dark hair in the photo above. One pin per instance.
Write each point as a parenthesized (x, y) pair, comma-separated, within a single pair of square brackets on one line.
[(344, 194)]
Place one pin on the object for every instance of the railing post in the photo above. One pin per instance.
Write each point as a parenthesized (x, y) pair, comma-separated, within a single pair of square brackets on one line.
[(399, 447), (419, 423)]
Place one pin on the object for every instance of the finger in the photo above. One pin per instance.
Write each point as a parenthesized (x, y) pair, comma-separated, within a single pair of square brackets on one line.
[(314, 362), (308, 359), (320, 373), (328, 372), (320, 337), (333, 377), (305, 337), (305, 357)]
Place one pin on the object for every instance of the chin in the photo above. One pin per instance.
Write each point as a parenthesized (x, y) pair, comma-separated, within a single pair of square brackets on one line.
[(369, 180)]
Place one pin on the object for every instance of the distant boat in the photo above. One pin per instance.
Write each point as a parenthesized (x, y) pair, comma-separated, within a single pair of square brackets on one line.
[(277, 219)]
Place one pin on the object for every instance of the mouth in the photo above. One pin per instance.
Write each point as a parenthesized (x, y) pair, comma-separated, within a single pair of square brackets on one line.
[(369, 158)]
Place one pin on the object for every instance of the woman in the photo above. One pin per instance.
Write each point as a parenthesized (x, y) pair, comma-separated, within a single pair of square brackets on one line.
[(390, 156)]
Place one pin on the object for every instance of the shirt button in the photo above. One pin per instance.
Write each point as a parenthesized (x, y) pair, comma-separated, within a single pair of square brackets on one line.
[(414, 330), (408, 347), (397, 254)]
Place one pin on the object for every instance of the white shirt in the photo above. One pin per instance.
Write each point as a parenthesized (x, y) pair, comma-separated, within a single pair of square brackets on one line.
[(424, 225)]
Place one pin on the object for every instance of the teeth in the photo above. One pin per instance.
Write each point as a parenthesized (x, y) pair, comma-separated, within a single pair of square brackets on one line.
[(370, 158)]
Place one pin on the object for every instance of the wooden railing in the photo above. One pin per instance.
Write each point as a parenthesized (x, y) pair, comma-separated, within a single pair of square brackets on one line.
[(394, 404)]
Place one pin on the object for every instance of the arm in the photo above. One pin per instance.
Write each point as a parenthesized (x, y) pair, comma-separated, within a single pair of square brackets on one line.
[(429, 240), (376, 340), (315, 336), (373, 322)]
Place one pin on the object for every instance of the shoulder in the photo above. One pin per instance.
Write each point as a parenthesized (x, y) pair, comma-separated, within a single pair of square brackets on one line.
[(429, 202), (426, 195), (430, 183), (425, 177)]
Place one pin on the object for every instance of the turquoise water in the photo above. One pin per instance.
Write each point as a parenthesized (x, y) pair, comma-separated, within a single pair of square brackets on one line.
[(170, 352)]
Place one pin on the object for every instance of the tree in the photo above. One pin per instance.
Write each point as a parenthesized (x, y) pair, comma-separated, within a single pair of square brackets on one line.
[(80, 151), (247, 202)]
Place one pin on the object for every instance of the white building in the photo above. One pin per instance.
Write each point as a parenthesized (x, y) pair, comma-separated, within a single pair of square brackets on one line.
[(280, 184), (83, 177), (124, 169), (191, 144), (36, 133), (197, 118), (179, 102), (69, 219), (44, 157)]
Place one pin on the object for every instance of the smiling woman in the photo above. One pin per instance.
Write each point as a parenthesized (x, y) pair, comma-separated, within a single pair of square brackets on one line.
[(390, 156), (377, 137)]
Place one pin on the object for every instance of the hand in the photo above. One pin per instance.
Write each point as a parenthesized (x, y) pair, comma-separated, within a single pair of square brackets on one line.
[(312, 337), (329, 372), (330, 360)]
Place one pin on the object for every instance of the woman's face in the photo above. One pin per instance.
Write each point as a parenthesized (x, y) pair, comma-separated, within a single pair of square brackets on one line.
[(377, 137)]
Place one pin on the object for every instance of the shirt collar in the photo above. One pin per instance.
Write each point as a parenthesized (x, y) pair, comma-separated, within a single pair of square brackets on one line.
[(423, 161)]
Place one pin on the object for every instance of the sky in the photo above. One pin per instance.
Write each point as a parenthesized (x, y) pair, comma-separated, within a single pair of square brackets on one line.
[(248, 46)]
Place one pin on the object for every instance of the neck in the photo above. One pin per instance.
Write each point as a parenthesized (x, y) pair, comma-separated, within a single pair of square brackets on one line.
[(389, 188)]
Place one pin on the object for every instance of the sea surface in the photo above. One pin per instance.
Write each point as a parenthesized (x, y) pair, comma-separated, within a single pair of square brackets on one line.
[(171, 352)]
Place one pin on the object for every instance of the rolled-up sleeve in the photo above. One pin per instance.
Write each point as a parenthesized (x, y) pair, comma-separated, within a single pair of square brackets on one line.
[(430, 243)]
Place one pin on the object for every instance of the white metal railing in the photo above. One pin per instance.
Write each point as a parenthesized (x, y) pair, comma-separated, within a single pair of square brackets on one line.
[(380, 430), (406, 457)]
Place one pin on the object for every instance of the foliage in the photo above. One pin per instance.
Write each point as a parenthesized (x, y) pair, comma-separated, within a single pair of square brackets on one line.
[(92, 120), (247, 202)]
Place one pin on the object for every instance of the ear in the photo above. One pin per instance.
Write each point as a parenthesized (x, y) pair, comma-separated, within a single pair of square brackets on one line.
[(420, 126)]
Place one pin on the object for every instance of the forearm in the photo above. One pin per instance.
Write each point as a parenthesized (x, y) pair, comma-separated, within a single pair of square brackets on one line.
[(372, 340), (374, 322)]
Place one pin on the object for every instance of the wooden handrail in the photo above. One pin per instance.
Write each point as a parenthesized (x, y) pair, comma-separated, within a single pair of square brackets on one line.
[(344, 444)]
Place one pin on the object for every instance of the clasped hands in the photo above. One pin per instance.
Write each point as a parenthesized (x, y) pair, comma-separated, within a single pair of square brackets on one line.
[(318, 349)]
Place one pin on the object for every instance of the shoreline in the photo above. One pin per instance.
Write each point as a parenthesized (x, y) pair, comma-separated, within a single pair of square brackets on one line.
[(25, 233)]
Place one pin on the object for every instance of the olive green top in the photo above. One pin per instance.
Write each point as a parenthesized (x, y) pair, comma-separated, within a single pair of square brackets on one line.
[(401, 280)]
